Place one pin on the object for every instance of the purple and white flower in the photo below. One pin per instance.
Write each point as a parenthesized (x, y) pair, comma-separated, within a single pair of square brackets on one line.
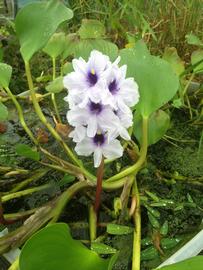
[(87, 81), (124, 92), (99, 146), (100, 97)]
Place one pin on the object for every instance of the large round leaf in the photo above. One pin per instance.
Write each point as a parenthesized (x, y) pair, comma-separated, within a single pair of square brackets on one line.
[(91, 29), (156, 79), (159, 122), (84, 48), (53, 248), (195, 263), (36, 23), (5, 75), (55, 45)]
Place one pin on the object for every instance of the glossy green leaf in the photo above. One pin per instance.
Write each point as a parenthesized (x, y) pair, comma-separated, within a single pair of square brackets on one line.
[(116, 229), (168, 243), (55, 86), (26, 151), (36, 23), (154, 222), (159, 122), (53, 248), (84, 48), (164, 228), (195, 263), (193, 40), (156, 79), (172, 57), (5, 75), (91, 29), (55, 45), (3, 112), (149, 253), (101, 248), (197, 58)]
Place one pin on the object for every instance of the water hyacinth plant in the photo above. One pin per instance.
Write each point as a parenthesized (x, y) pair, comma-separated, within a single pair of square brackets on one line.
[(100, 98), (113, 110)]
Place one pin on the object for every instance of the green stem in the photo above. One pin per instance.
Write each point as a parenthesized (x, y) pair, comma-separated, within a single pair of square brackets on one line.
[(134, 168), (188, 83), (137, 231), (21, 117), (38, 175), (53, 95), (92, 223), (43, 118), (25, 192), (20, 215)]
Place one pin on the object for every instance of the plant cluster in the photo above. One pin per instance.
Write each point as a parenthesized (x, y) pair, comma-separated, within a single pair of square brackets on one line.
[(112, 93)]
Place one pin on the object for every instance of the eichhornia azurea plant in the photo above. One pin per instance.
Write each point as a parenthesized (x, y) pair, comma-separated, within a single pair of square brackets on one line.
[(110, 96)]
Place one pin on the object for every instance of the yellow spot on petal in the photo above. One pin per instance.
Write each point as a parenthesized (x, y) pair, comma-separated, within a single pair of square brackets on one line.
[(93, 71)]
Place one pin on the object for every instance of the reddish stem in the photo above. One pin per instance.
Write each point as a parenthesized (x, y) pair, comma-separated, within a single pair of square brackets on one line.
[(100, 173)]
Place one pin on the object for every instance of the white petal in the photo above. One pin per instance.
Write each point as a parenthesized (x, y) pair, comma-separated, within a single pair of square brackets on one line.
[(77, 116), (124, 133), (129, 92), (74, 80), (78, 134), (85, 147), (80, 65), (98, 61), (92, 126), (113, 149), (97, 157)]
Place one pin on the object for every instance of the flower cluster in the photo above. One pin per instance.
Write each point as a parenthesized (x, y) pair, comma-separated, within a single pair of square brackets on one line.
[(99, 97)]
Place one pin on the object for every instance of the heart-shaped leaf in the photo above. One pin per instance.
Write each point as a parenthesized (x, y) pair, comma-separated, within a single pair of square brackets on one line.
[(193, 40), (159, 122), (26, 151), (84, 48), (71, 41), (3, 112), (55, 45), (55, 86), (53, 248), (195, 263), (5, 75), (91, 29), (36, 23), (157, 81), (171, 56)]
